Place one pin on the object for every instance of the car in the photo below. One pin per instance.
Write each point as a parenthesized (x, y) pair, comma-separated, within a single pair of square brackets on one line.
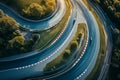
[(90, 40)]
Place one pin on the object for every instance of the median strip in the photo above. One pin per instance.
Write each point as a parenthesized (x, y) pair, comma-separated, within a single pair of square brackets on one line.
[(67, 54), (51, 35)]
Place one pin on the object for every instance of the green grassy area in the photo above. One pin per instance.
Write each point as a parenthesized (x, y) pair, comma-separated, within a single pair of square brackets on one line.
[(66, 55), (54, 32), (102, 51)]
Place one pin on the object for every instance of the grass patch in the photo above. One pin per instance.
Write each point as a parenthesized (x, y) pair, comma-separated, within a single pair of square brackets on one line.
[(102, 51), (48, 36), (65, 56)]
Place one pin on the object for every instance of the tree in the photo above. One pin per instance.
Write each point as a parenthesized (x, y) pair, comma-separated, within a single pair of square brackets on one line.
[(117, 4), (74, 46), (98, 1), (67, 53), (116, 36), (112, 8), (34, 10), (11, 40), (117, 15), (17, 42), (79, 37), (50, 5), (7, 26)]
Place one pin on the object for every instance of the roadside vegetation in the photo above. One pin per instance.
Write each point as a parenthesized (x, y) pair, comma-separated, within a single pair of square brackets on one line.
[(114, 72), (33, 9), (12, 41), (66, 55), (48, 36), (112, 7), (94, 74)]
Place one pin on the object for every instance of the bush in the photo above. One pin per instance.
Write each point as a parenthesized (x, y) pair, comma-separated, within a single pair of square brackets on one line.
[(66, 54), (17, 42), (79, 37), (34, 10), (11, 40), (74, 46), (116, 37), (112, 7)]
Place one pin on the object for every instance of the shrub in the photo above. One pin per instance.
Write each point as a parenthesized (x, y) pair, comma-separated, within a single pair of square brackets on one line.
[(74, 46), (34, 10), (66, 54)]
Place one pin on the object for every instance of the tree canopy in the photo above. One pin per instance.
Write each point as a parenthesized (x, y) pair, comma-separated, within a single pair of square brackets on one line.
[(112, 8), (11, 39), (74, 46), (33, 9)]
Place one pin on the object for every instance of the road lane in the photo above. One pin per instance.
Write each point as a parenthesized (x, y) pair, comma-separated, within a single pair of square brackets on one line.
[(35, 64), (82, 69), (40, 25)]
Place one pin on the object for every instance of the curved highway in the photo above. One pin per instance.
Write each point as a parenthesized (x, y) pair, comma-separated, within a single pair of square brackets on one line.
[(86, 63), (104, 18), (24, 18), (34, 65), (34, 25), (40, 25)]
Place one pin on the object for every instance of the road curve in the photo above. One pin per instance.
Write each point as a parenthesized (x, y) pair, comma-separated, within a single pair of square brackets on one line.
[(86, 63), (107, 60), (24, 18), (35, 64), (40, 25), (35, 25)]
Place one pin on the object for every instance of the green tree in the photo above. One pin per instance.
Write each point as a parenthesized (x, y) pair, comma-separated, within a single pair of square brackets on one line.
[(67, 53), (50, 6), (74, 46), (11, 40), (7, 26), (17, 42), (34, 10), (116, 37)]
